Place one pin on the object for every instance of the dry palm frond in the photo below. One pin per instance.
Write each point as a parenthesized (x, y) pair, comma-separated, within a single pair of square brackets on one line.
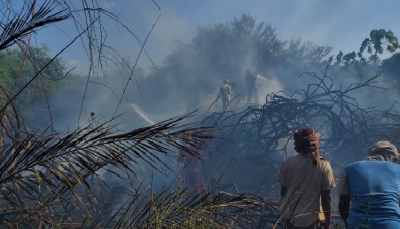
[(19, 26), (179, 208), (40, 172)]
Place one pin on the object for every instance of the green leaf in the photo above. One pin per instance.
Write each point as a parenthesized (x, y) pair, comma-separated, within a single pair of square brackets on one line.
[(369, 49)]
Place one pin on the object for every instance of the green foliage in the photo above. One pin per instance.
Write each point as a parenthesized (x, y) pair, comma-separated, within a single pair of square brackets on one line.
[(391, 65), (376, 39), (349, 57), (391, 71), (339, 58), (354, 66), (17, 69)]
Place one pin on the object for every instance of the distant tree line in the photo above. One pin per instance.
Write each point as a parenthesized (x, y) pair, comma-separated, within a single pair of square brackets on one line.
[(220, 51)]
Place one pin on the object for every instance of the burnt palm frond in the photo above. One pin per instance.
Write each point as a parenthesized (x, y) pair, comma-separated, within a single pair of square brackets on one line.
[(40, 172), (173, 207), (19, 26), (89, 149)]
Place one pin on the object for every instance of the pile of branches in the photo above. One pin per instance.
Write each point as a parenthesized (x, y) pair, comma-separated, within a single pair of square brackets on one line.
[(345, 127)]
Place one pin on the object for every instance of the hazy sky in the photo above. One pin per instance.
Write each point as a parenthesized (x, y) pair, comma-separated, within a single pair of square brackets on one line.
[(341, 23)]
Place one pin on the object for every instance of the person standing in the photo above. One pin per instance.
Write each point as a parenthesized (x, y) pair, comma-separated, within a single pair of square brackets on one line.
[(306, 180), (372, 186), (251, 86), (225, 92)]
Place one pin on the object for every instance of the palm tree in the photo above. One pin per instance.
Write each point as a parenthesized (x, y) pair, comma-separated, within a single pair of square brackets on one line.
[(376, 39)]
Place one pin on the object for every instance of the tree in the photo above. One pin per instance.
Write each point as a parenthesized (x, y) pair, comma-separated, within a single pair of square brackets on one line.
[(13, 58), (259, 42), (376, 39), (391, 71), (307, 52), (18, 68), (220, 51)]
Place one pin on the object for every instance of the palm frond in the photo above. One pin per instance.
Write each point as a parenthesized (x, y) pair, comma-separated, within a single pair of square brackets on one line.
[(180, 208), (20, 25), (41, 171)]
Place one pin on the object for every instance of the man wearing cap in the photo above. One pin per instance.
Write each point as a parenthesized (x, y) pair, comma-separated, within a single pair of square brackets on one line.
[(306, 180), (372, 187)]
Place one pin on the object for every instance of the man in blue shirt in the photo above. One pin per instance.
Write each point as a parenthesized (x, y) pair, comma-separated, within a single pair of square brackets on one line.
[(372, 187)]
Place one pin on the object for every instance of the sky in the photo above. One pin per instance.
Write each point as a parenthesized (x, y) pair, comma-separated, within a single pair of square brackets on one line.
[(342, 24)]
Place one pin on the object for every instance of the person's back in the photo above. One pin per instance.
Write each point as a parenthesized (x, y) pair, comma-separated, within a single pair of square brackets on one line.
[(306, 180), (369, 190), (225, 92), (375, 189)]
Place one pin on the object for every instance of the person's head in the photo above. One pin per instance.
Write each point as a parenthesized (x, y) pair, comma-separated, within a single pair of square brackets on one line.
[(306, 142), (383, 151), (226, 81), (302, 139)]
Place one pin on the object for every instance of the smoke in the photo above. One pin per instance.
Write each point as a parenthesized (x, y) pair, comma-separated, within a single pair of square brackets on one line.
[(267, 85), (188, 73)]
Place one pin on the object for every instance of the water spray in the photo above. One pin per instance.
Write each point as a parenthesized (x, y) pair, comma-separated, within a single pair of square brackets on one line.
[(141, 113)]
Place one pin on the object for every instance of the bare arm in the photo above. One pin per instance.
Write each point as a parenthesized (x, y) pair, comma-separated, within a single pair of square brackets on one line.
[(326, 202), (283, 191), (344, 206)]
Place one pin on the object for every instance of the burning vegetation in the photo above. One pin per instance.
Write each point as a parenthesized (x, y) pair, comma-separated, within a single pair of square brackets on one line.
[(100, 175)]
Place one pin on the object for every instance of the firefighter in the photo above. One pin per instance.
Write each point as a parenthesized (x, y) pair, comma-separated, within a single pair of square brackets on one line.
[(225, 92), (251, 79)]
